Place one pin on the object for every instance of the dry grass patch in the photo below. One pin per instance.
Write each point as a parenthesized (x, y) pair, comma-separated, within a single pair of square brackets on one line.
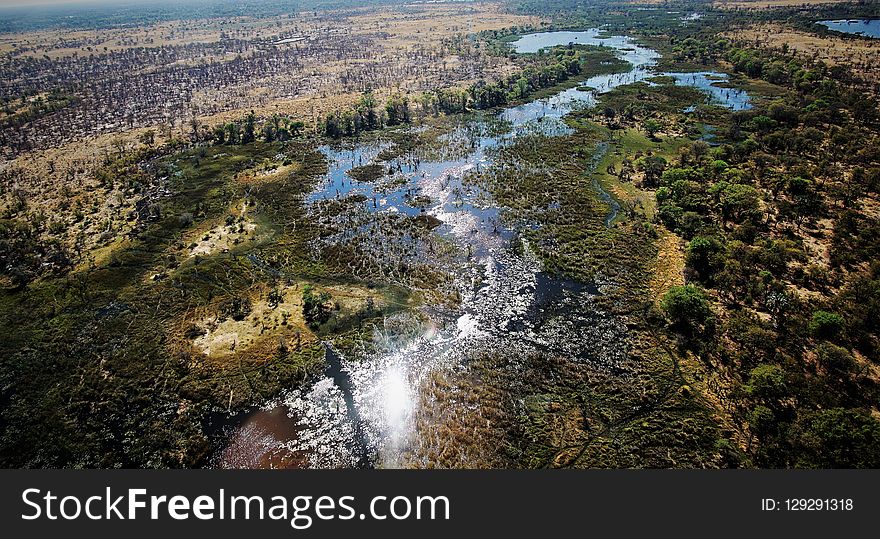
[(668, 268), (265, 319)]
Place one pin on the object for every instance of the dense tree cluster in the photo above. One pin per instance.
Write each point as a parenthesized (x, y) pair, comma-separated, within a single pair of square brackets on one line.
[(315, 305), (547, 69), (250, 129), (795, 327)]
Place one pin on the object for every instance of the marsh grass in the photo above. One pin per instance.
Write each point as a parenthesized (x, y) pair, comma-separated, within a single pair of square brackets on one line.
[(552, 411)]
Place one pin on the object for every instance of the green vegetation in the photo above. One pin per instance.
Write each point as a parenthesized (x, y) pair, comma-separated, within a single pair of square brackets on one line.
[(750, 209), (545, 72), (688, 310), (316, 309), (775, 213), (99, 367), (28, 109)]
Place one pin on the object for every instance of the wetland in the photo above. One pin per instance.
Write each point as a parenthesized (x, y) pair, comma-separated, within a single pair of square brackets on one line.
[(446, 235), (507, 300)]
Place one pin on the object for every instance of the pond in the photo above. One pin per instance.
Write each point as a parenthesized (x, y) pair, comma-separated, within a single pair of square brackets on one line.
[(361, 411), (861, 27), (716, 87)]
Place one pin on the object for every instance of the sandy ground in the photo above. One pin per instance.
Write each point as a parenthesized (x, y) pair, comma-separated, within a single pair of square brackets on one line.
[(223, 237), (668, 269), (271, 326), (281, 323)]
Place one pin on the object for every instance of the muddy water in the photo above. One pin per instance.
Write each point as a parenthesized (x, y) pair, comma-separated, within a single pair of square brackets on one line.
[(361, 411)]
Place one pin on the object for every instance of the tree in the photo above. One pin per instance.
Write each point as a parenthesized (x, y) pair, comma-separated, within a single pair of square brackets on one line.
[(807, 202), (738, 202), (397, 110), (233, 133), (316, 309), (835, 359), (147, 138), (295, 128), (220, 134), (837, 438), (652, 166), (825, 325), (248, 135), (331, 125), (367, 109), (194, 126), (270, 131), (767, 384), (688, 309), (763, 124), (705, 257), (651, 127), (237, 308), (762, 422)]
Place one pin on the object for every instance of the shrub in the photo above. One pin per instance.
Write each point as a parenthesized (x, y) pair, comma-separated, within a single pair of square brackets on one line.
[(236, 308), (316, 310), (835, 359)]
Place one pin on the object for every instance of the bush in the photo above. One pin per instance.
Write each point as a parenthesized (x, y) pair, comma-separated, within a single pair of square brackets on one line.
[(316, 310), (835, 359)]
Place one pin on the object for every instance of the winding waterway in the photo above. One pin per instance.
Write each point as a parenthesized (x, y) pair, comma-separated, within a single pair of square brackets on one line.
[(361, 411)]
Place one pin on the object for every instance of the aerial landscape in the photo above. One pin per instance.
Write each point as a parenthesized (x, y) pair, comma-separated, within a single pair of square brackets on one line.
[(431, 234)]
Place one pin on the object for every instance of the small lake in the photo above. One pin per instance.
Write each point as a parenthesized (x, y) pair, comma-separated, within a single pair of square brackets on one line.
[(861, 27), (532, 43)]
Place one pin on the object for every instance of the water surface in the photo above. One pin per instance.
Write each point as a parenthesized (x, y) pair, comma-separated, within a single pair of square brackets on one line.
[(862, 27), (714, 85)]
